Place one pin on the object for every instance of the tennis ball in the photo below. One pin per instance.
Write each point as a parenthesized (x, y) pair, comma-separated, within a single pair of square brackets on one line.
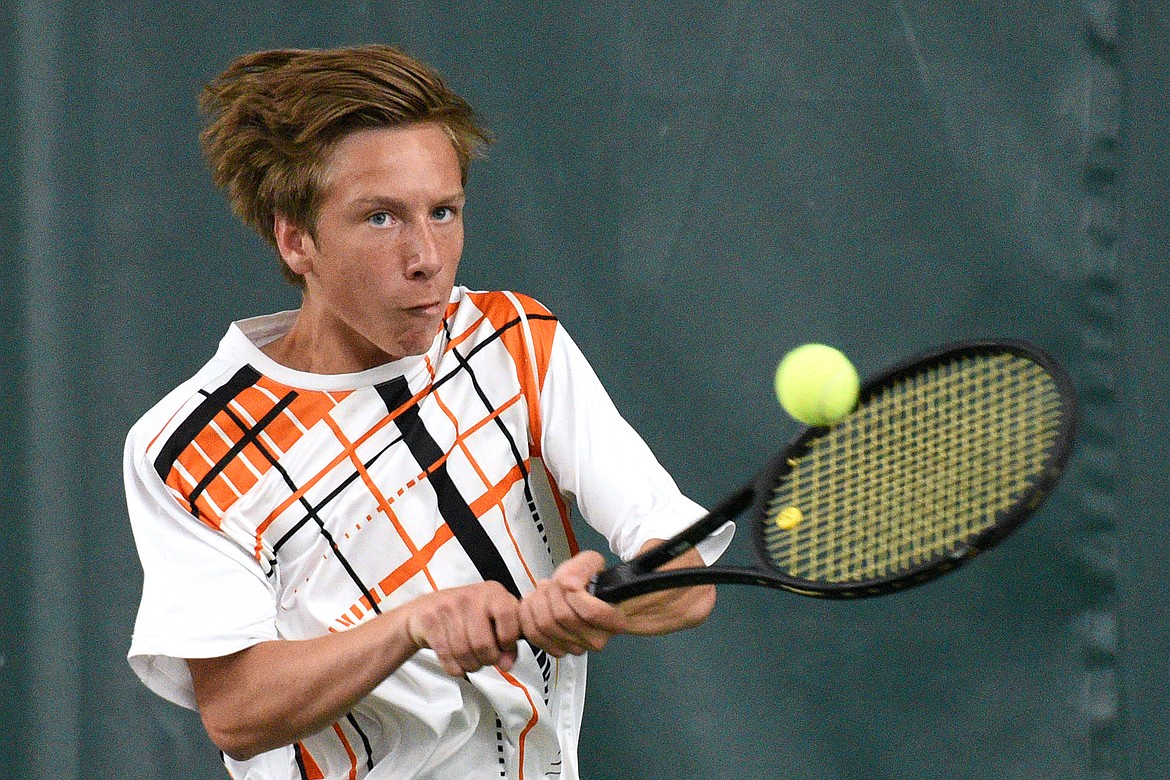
[(789, 517), (817, 384)]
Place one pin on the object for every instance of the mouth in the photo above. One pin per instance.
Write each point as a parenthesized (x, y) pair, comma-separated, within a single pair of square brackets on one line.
[(427, 309)]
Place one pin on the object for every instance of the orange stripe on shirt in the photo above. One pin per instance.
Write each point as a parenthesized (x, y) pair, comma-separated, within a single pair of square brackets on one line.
[(416, 562), (342, 456), (500, 311), (210, 445), (495, 497), (395, 579), (213, 445), (383, 504), (312, 770), (207, 513), (459, 339), (348, 751), (531, 721), (566, 516), (252, 403), (495, 493), (489, 418)]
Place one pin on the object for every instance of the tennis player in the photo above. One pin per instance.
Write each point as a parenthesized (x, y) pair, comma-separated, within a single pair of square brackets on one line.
[(354, 519)]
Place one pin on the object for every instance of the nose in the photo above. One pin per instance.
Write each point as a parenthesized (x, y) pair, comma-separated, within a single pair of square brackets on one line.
[(423, 259)]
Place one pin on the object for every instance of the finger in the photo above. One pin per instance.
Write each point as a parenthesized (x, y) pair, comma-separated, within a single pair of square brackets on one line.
[(577, 572), (534, 618), (543, 628), (576, 629), (505, 623), (452, 651), (597, 615), (555, 626), (467, 642), (508, 659), (485, 647), (597, 619), (486, 626), (584, 635), (428, 631)]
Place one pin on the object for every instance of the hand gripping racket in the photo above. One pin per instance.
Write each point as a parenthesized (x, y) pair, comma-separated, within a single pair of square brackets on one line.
[(945, 455)]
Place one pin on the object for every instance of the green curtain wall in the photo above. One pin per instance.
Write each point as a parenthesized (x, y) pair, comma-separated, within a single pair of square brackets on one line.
[(694, 188)]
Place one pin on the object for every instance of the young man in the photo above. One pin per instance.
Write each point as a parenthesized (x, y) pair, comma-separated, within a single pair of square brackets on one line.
[(351, 517)]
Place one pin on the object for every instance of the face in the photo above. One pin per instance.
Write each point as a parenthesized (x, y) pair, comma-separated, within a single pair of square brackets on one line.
[(381, 263)]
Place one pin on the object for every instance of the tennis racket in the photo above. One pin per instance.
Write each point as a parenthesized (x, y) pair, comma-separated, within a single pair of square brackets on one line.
[(944, 456)]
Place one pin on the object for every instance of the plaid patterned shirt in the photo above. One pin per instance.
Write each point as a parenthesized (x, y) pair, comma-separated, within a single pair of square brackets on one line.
[(269, 503)]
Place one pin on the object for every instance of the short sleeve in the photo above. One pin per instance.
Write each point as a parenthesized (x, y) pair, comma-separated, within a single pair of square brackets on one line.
[(596, 456), (202, 595)]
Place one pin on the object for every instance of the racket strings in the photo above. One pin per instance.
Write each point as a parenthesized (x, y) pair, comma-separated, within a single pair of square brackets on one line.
[(919, 470)]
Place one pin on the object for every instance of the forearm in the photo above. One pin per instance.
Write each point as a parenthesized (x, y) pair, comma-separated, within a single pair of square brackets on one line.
[(674, 609), (275, 693), (278, 692), (562, 617)]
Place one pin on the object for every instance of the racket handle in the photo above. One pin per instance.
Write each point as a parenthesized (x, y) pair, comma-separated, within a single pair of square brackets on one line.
[(611, 584), (616, 579), (606, 583), (684, 540), (629, 579)]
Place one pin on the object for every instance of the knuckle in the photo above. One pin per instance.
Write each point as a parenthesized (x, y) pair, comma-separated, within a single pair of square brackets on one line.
[(484, 649)]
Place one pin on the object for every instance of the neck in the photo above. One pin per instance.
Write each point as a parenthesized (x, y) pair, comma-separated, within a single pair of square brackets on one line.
[(311, 347)]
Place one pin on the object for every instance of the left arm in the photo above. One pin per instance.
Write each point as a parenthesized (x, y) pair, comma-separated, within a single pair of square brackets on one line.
[(663, 611), (622, 491), (562, 617)]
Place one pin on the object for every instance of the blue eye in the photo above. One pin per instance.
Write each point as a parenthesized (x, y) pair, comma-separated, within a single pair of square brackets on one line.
[(379, 219)]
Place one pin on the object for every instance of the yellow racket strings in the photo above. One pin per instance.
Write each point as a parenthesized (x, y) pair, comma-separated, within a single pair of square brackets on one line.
[(923, 467)]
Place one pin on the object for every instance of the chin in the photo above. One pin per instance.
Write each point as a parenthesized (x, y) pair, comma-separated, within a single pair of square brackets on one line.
[(417, 346)]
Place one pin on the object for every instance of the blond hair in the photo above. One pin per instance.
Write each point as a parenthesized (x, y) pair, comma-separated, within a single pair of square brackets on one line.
[(274, 118)]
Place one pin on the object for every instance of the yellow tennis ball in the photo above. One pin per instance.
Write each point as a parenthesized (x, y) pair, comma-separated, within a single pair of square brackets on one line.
[(789, 517), (817, 384)]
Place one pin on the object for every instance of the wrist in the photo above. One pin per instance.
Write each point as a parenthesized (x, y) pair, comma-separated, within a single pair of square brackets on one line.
[(415, 636)]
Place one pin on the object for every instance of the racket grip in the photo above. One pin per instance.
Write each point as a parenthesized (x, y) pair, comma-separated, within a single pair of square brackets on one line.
[(604, 584)]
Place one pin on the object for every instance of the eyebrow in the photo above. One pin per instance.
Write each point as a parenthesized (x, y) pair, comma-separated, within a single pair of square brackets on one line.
[(376, 201)]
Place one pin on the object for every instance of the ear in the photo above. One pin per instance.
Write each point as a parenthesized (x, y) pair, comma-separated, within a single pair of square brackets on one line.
[(295, 244)]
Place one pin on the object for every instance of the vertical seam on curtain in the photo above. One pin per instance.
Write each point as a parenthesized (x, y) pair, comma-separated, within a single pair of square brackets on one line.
[(50, 556), (1099, 379)]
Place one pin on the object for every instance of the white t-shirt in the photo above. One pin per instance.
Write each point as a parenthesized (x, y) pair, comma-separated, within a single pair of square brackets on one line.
[(268, 503)]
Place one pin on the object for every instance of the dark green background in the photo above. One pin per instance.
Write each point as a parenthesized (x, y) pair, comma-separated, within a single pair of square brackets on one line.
[(694, 188)]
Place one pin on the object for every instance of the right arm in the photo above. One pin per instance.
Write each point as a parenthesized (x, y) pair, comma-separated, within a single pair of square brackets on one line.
[(205, 598), (277, 692)]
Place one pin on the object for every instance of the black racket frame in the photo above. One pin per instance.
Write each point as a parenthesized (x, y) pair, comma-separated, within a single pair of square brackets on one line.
[(638, 576)]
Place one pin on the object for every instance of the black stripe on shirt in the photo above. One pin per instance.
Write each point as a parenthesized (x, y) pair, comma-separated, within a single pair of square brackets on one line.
[(453, 507), (465, 365), (251, 436), (310, 510), (213, 404)]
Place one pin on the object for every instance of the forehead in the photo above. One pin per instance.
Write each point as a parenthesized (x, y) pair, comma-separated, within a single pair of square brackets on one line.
[(392, 160)]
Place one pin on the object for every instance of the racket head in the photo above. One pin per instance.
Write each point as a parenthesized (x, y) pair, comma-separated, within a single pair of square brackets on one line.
[(945, 456)]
